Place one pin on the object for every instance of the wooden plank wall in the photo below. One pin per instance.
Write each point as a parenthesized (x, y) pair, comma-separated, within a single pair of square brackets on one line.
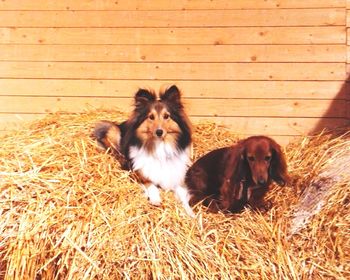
[(274, 67)]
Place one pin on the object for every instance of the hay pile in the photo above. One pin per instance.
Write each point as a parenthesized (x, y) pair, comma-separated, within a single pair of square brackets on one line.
[(67, 211)]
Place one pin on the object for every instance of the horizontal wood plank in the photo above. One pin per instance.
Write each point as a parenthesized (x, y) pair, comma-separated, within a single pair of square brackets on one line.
[(273, 126), (239, 125), (203, 89), (174, 53), (178, 36), (174, 71), (165, 5), (184, 18), (196, 107)]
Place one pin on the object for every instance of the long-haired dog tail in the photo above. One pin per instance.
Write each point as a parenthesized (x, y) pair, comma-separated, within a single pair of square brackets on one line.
[(108, 135)]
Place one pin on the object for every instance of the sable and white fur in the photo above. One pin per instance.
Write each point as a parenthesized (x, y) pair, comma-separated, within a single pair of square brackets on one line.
[(155, 143)]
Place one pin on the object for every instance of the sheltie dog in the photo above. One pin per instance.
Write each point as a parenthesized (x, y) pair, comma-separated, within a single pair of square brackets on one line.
[(155, 143)]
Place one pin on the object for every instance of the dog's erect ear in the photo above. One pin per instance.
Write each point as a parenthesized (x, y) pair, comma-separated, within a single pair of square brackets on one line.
[(143, 97), (172, 95), (278, 167)]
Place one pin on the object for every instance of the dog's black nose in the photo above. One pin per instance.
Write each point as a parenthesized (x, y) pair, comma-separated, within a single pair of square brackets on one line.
[(261, 182), (159, 132)]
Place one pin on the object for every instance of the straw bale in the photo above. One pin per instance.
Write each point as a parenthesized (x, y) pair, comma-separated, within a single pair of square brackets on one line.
[(68, 211)]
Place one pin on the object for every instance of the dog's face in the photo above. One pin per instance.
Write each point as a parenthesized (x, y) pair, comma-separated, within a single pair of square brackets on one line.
[(161, 119), (158, 124), (265, 160), (258, 154)]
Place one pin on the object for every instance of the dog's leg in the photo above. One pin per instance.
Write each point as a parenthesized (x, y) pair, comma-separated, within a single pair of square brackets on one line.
[(183, 195), (153, 195)]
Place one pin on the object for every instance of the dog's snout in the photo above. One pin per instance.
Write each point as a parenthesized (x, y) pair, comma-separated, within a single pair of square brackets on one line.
[(262, 182), (159, 132)]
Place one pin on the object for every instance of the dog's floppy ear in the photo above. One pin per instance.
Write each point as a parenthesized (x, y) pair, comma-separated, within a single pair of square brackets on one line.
[(235, 173), (240, 167), (242, 163), (143, 97), (278, 167), (172, 96)]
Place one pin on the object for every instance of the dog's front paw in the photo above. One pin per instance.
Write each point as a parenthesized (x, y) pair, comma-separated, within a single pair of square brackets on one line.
[(153, 195), (190, 212)]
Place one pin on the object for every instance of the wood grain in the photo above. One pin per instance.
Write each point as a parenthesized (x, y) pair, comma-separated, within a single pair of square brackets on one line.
[(197, 107), (174, 53), (273, 67), (179, 36), (203, 89), (174, 71), (184, 18), (165, 5)]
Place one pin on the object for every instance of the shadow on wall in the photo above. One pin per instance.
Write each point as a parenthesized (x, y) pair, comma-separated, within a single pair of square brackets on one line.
[(342, 96)]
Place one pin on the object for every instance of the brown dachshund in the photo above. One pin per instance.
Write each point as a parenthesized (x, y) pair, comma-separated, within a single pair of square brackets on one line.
[(227, 179)]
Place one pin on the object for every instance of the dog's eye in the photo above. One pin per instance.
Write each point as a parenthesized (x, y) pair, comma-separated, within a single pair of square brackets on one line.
[(151, 117), (251, 158), (268, 158), (166, 116)]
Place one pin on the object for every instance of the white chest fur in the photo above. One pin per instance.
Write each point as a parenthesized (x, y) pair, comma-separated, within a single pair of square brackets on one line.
[(165, 166)]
